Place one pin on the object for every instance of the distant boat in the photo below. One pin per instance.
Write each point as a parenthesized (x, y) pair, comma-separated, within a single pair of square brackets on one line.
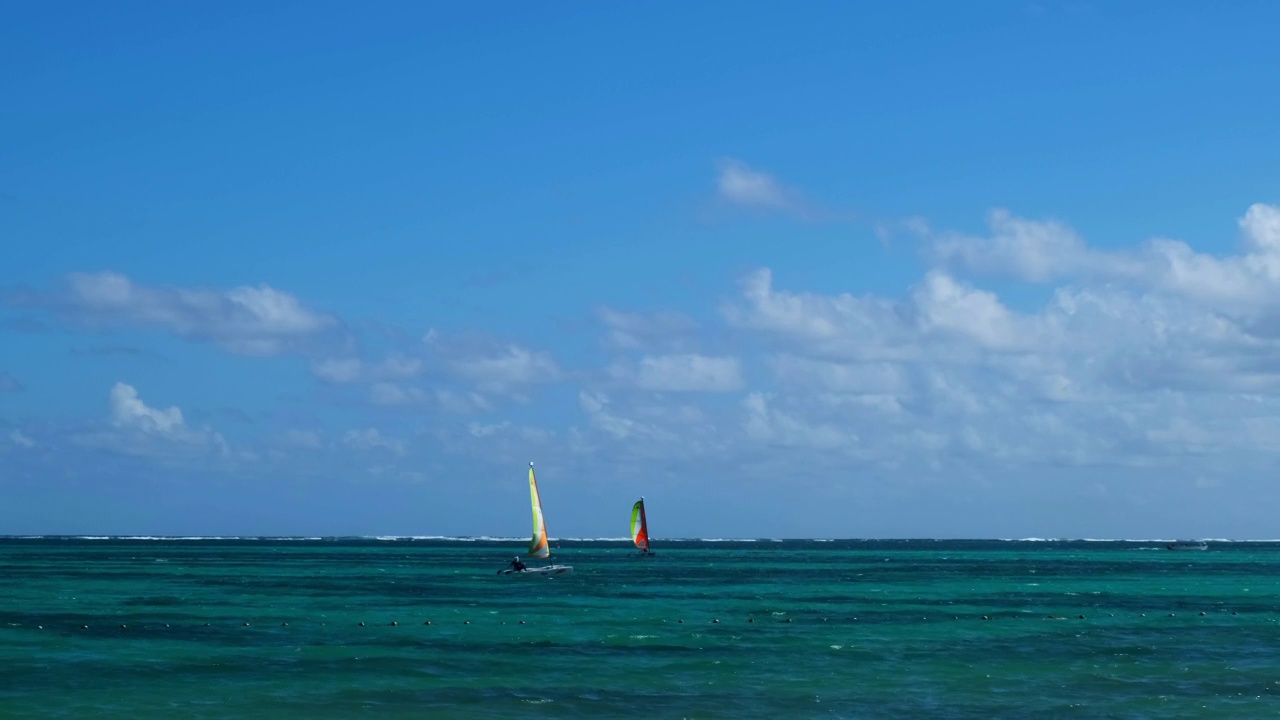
[(1187, 545), (538, 546), (640, 528)]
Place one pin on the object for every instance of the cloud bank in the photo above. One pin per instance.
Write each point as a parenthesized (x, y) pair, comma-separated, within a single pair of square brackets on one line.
[(244, 320), (1158, 362)]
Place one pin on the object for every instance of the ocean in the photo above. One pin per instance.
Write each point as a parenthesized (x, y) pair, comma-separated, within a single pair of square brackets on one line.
[(425, 628)]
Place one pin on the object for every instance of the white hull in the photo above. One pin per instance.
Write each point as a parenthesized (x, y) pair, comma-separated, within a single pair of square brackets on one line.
[(545, 570)]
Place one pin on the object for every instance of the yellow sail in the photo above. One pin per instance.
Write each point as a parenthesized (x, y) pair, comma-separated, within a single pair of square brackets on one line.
[(538, 546)]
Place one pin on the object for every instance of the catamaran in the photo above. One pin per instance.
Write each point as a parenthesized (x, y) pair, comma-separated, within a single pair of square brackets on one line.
[(538, 546), (640, 528)]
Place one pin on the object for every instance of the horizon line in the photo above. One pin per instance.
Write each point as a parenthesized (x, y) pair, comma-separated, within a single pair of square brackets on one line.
[(508, 539)]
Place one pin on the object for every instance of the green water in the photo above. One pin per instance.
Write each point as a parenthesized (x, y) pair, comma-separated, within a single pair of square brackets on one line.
[(846, 629)]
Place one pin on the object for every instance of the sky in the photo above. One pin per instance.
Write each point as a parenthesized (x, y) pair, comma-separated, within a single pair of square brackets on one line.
[(919, 269)]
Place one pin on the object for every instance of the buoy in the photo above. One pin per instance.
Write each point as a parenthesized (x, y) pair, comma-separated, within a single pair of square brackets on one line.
[(394, 623), (426, 622), (1233, 612), (84, 627), (284, 624), (788, 619), (1171, 615), (680, 621), (361, 624), (123, 626), (751, 620), (1081, 617), (246, 624), (521, 622), (39, 627), (166, 624), (716, 620), (1201, 613), (466, 622), (986, 617)]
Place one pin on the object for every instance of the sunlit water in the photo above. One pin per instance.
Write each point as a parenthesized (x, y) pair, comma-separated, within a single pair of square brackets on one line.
[(938, 629)]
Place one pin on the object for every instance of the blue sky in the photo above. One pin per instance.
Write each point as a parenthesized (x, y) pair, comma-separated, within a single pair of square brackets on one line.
[(1005, 269)]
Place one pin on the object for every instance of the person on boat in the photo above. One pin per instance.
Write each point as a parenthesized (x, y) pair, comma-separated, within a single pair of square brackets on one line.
[(516, 565)]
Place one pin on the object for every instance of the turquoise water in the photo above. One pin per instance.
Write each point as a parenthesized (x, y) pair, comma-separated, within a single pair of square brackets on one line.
[(852, 629)]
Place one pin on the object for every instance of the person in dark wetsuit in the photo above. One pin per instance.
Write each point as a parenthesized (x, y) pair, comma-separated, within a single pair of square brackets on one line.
[(516, 565)]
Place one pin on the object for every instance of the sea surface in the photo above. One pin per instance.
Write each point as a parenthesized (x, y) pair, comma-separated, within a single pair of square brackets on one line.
[(425, 628)]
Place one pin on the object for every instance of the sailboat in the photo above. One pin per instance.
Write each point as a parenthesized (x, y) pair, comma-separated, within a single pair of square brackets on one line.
[(640, 528), (538, 546)]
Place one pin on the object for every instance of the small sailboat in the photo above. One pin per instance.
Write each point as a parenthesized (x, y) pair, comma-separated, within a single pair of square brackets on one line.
[(538, 546), (640, 528)]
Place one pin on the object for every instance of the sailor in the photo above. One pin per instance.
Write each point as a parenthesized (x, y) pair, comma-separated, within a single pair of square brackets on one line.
[(516, 565)]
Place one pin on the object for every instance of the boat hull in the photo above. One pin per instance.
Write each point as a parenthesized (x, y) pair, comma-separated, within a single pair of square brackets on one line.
[(540, 571)]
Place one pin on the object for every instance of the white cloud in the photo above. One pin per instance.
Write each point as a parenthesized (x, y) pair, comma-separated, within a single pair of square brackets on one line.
[(510, 367), (352, 370), (246, 320), (1032, 250), (128, 410), (744, 186), (372, 439), (492, 367), (141, 430), (18, 438), (634, 331), (596, 407), (1041, 251), (841, 326), (394, 395), (950, 308), (768, 425), (1138, 361), (870, 378), (681, 373)]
